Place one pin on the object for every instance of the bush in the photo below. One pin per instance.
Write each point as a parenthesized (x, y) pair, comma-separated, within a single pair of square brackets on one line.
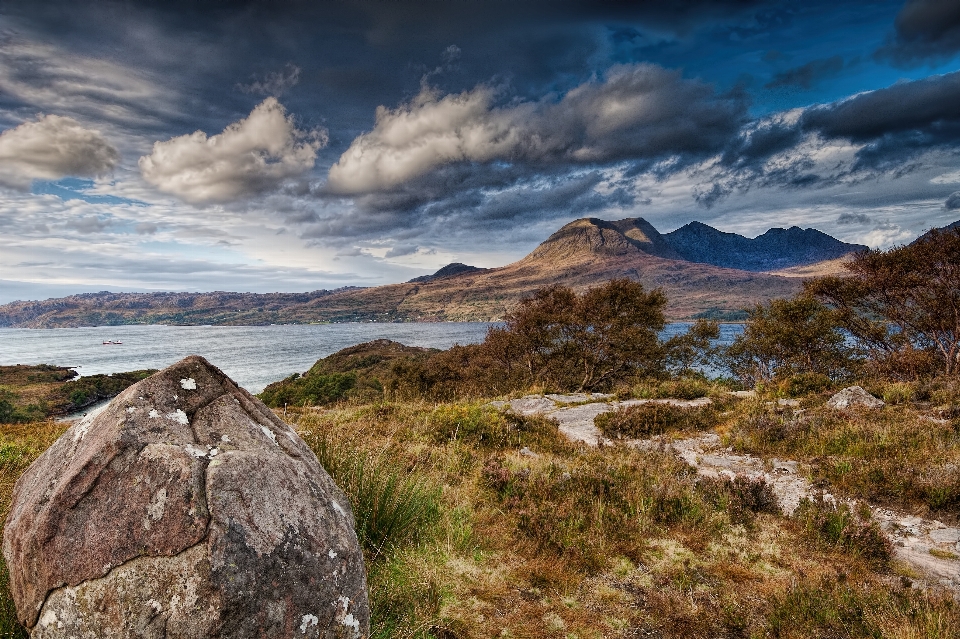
[(836, 525), (898, 393), (564, 341), (805, 384), (742, 497), (789, 337), (309, 390), (654, 418)]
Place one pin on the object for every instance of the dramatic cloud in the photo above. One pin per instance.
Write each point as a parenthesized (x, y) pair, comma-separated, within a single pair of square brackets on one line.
[(805, 76), (930, 105), (51, 148), (853, 218), (871, 132), (636, 112), (52, 79), (250, 157), (953, 201), (926, 31)]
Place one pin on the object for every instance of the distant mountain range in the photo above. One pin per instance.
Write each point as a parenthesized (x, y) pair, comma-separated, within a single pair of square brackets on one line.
[(704, 273), (774, 250)]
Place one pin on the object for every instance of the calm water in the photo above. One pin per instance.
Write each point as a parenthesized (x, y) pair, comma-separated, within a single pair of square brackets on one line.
[(253, 356)]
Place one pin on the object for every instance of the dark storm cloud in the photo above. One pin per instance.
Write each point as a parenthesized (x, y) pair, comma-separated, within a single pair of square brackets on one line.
[(635, 112), (953, 201), (892, 126), (807, 75), (930, 105), (926, 31), (854, 218), (896, 123)]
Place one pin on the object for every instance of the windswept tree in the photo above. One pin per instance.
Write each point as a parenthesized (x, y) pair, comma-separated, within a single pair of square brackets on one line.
[(689, 351), (581, 342), (902, 305), (789, 337)]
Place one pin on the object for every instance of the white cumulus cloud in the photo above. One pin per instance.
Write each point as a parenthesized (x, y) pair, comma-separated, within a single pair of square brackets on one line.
[(252, 156), (636, 111), (50, 148)]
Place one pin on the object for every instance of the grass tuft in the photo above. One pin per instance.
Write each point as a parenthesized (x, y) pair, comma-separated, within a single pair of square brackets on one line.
[(393, 508)]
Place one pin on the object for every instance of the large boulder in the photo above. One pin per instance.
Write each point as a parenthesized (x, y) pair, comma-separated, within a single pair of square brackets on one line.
[(854, 397), (185, 509)]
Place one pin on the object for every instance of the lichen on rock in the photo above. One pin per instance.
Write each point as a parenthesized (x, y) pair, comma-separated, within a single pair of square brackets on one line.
[(187, 509)]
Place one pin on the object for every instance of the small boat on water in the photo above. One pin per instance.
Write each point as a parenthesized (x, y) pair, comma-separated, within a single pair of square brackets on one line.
[(111, 342)]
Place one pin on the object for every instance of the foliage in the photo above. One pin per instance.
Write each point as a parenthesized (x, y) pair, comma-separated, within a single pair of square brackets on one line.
[(789, 337), (313, 390), (586, 342), (692, 349), (557, 340), (364, 372), (654, 418), (902, 305), (13, 411), (836, 525)]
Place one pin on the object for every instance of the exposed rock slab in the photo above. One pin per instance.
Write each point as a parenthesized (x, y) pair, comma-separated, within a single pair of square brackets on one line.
[(854, 397), (186, 508)]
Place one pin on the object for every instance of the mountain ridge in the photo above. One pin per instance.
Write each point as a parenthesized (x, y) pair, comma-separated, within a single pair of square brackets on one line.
[(581, 254), (775, 249)]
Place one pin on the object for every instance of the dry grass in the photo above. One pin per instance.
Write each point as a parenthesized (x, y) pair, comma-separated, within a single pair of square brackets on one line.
[(20, 444), (899, 456), (575, 542)]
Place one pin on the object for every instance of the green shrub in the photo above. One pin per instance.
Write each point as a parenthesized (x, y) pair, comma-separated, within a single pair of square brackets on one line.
[(805, 384), (898, 393), (309, 390), (473, 423), (683, 388)]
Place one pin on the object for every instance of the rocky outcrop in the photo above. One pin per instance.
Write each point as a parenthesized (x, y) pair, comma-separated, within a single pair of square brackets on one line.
[(187, 509), (854, 397)]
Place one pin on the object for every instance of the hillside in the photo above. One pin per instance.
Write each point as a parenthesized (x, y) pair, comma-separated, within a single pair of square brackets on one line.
[(582, 254), (776, 249)]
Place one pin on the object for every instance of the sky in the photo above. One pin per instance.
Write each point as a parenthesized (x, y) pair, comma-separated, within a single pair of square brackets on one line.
[(294, 145)]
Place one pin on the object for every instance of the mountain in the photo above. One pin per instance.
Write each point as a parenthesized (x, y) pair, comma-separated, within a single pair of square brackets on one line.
[(948, 227), (584, 253), (455, 268), (776, 249)]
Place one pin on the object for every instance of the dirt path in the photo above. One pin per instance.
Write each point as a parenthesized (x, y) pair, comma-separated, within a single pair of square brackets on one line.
[(929, 547)]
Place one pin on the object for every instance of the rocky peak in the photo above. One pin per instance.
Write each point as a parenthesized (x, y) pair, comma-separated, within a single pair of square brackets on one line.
[(593, 236), (454, 268), (775, 249)]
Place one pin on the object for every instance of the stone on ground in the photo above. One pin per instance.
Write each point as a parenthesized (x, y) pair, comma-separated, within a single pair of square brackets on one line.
[(185, 509), (854, 397)]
